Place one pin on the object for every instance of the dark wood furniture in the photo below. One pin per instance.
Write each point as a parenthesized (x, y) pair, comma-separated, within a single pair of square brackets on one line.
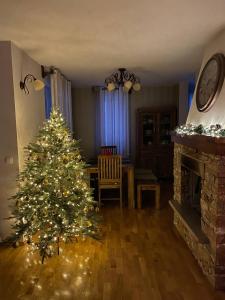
[(154, 148), (127, 170), (110, 175), (144, 186), (146, 181)]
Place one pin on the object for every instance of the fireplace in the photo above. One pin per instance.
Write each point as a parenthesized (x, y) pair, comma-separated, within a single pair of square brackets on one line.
[(199, 201)]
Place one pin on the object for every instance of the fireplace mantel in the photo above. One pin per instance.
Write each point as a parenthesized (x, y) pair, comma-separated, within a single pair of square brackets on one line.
[(202, 143)]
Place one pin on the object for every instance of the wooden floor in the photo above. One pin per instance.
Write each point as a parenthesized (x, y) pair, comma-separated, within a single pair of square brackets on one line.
[(140, 257)]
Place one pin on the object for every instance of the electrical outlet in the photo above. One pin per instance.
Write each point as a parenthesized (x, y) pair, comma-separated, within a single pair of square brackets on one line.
[(9, 160)]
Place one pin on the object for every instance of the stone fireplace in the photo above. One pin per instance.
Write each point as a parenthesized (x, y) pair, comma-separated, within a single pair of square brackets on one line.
[(199, 201)]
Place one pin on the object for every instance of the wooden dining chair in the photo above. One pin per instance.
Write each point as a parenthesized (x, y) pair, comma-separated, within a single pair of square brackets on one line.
[(110, 175)]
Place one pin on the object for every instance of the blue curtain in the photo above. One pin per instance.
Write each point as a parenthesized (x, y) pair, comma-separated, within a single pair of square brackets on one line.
[(114, 120), (191, 89), (48, 97)]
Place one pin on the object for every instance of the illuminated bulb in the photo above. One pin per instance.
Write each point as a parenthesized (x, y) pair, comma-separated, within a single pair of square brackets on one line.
[(111, 86), (78, 281), (65, 275), (137, 86), (127, 85), (39, 287)]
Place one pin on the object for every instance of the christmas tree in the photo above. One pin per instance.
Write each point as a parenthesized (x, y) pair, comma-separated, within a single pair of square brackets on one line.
[(54, 202)]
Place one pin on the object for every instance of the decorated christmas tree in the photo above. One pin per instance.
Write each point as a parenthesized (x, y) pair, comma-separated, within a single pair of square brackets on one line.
[(54, 202)]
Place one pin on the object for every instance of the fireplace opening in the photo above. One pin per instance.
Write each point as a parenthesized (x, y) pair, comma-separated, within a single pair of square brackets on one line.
[(188, 207), (192, 172), (191, 190)]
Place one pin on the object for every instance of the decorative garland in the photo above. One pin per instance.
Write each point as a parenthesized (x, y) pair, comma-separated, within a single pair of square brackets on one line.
[(191, 129)]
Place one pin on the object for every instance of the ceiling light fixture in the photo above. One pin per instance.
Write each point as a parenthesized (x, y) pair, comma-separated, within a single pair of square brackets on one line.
[(37, 84), (123, 78)]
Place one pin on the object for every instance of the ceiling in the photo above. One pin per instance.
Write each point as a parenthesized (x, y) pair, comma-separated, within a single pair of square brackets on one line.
[(162, 41)]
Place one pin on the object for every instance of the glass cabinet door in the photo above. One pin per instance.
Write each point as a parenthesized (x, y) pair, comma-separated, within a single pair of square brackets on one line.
[(148, 129), (165, 127)]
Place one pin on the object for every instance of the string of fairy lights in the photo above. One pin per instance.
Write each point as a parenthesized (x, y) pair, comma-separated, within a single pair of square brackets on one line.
[(190, 129), (54, 201)]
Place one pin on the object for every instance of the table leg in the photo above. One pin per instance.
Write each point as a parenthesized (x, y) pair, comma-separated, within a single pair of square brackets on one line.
[(157, 191), (139, 195), (130, 179)]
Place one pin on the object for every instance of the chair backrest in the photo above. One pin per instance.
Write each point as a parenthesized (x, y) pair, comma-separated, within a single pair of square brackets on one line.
[(109, 168), (108, 150)]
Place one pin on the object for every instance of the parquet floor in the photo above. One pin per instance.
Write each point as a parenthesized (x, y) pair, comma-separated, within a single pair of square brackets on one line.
[(141, 257)]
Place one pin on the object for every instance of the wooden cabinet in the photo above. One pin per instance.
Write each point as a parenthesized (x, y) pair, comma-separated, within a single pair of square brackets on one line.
[(154, 148)]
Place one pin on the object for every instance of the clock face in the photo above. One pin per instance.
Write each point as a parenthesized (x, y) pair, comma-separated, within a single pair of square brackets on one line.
[(210, 82)]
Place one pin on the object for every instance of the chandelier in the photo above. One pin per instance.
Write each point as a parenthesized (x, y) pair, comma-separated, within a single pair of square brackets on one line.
[(123, 78)]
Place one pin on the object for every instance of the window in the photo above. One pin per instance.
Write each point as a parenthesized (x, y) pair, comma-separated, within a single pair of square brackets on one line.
[(114, 120)]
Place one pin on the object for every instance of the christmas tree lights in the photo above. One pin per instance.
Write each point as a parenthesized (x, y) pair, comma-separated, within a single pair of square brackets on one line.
[(54, 202)]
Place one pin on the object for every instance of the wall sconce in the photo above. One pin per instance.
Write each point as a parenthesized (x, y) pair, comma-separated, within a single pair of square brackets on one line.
[(37, 84)]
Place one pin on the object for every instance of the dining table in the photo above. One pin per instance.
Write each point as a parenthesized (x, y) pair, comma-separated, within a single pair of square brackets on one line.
[(128, 170)]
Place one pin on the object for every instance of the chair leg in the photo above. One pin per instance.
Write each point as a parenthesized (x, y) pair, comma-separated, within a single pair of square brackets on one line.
[(121, 198), (157, 191)]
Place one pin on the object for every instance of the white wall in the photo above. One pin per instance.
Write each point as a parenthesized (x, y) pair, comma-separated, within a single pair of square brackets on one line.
[(30, 109), (84, 112), (8, 138), (216, 114), (183, 102), (84, 120), (20, 117)]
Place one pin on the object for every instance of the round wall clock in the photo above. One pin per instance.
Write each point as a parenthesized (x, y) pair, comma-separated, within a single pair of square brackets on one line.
[(210, 82)]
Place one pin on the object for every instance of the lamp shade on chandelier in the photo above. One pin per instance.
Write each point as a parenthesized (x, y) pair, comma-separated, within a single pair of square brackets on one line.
[(123, 78)]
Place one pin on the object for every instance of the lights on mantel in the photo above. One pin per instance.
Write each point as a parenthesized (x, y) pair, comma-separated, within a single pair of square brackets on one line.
[(123, 78), (191, 129)]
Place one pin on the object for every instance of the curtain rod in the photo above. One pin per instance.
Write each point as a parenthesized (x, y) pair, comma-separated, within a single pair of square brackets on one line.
[(51, 70)]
